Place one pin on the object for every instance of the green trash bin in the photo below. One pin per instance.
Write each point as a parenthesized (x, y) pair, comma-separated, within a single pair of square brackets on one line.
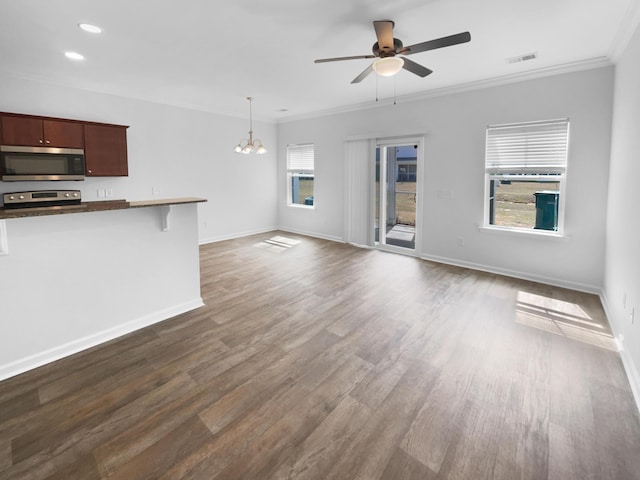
[(547, 209)]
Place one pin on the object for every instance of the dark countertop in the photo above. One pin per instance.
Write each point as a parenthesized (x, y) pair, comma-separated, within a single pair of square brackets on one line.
[(93, 207)]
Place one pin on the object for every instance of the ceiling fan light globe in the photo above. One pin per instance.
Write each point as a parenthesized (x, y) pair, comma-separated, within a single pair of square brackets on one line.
[(238, 148), (388, 66), (260, 150)]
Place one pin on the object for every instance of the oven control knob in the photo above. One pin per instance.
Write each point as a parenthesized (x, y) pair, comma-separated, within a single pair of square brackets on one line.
[(21, 197), (75, 194), (66, 195), (12, 197)]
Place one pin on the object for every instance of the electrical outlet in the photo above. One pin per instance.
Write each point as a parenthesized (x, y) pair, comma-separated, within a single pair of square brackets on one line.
[(102, 193), (624, 301), (109, 193), (460, 241), (632, 315), (445, 194), (155, 191)]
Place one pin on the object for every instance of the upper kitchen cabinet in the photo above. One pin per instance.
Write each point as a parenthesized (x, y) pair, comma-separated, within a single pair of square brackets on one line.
[(38, 132), (104, 144), (105, 150)]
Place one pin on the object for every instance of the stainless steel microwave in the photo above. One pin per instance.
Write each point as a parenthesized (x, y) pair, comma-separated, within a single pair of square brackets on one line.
[(41, 163)]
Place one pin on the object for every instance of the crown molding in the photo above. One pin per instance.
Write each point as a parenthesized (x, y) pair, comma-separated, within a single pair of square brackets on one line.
[(589, 64), (138, 98)]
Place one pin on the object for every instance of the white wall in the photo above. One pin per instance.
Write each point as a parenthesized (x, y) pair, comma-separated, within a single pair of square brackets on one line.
[(454, 129), (622, 274), (180, 152), (72, 281)]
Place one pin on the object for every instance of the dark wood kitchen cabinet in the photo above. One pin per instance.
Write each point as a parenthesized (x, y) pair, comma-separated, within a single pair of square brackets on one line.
[(39, 132), (105, 150), (105, 145)]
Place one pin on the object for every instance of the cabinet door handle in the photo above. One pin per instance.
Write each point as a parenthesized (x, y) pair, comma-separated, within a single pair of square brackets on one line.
[(89, 171), (47, 142)]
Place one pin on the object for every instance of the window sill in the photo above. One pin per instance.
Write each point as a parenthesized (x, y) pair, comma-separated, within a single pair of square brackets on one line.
[(306, 207), (524, 233)]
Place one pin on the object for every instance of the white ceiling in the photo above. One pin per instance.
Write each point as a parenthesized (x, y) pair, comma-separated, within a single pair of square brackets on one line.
[(209, 55)]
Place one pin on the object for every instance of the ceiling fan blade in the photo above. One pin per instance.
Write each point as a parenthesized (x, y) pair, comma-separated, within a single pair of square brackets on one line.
[(384, 32), (363, 75), (437, 43), (337, 59), (416, 68)]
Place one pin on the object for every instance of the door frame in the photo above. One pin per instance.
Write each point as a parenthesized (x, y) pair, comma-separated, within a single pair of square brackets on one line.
[(393, 142)]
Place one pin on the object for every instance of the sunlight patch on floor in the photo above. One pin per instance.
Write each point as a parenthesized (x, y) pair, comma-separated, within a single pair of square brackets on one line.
[(563, 318), (277, 244)]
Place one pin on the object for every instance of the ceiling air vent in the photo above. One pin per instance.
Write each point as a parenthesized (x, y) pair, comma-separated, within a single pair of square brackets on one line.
[(522, 58)]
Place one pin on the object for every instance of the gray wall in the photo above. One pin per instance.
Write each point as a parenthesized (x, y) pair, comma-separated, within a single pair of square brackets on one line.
[(454, 130), (622, 274)]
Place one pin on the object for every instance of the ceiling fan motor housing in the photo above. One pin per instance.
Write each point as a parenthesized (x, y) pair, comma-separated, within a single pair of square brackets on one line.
[(387, 51)]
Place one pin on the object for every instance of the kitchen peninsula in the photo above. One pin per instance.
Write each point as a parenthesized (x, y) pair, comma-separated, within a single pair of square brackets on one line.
[(73, 278)]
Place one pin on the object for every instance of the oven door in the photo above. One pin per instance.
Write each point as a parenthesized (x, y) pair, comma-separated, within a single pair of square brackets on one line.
[(41, 163)]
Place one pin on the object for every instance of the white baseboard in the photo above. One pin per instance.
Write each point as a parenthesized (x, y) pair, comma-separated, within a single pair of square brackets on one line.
[(627, 362), (581, 287), (632, 374), (222, 238), (359, 245), (37, 360), (312, 234)]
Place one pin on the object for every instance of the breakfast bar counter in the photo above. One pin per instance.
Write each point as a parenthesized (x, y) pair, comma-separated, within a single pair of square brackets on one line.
[(70, 282), (98, 206)]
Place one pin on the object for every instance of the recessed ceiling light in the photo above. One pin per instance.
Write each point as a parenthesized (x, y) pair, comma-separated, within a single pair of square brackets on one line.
[(74, 55), (87, 27)]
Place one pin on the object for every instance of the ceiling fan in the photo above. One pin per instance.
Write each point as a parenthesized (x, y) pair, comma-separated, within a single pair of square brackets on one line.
[(387, 47)]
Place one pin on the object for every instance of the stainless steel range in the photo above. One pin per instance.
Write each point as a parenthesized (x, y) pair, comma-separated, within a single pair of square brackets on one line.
[(43, 199)]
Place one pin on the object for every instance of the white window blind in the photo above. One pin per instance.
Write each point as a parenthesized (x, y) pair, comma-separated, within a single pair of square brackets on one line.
[(535, 148), (300, 158)]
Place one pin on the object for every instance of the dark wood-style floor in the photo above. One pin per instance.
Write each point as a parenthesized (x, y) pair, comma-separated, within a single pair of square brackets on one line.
[(325, 361)]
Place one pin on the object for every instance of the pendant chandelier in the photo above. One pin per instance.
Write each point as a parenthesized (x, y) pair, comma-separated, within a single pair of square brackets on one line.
[(251, 145)]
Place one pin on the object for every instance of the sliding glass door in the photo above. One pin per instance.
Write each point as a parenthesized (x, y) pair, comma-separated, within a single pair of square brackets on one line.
[(396, 193)]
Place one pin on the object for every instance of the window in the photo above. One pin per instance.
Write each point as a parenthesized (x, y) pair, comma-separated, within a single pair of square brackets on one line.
[(300, 176), (525, 167)]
